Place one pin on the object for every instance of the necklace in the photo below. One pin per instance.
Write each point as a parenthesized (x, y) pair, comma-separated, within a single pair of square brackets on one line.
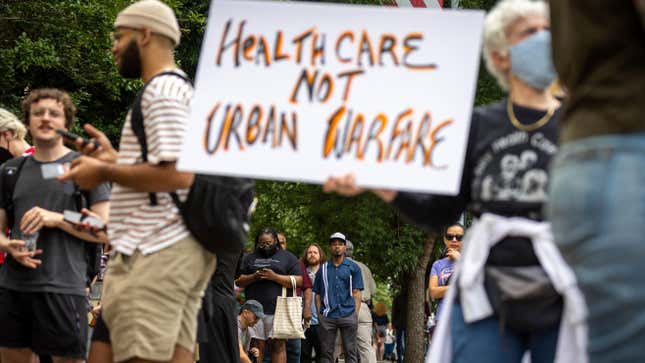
[(530, 127)]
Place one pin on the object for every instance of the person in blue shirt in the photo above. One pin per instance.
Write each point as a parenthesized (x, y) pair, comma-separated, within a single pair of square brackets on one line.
[(442, 269), (338, 286)]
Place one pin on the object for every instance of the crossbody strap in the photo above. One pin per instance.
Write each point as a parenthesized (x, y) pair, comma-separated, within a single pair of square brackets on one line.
[(10, 174), (138, 127)]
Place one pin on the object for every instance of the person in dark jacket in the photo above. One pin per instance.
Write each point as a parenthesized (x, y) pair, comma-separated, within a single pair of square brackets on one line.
[(505, 175)]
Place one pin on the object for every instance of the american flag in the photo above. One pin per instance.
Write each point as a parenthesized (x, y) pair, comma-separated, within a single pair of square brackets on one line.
[(438, 4)]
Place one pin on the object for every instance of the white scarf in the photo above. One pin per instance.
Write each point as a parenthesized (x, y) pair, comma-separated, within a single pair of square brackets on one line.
[(469, 274)]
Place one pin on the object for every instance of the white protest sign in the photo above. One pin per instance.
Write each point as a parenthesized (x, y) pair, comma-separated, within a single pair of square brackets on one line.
[(302, 91)]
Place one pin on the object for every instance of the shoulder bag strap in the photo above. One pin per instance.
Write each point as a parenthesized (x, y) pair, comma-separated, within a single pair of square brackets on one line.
[(136, 122)]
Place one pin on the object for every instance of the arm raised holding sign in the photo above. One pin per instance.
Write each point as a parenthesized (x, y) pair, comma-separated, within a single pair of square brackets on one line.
[(430, 212), (346, 185), (511, 143), (504, 155)]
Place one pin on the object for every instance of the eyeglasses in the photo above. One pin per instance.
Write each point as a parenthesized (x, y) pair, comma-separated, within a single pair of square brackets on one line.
[(450, 236)]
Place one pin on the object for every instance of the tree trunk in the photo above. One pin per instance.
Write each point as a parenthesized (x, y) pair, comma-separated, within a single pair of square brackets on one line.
[(415, 339)]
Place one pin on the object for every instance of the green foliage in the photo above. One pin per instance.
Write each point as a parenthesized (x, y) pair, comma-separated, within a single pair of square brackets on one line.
[(383, 294), (487, 89), (477, 4), (307, 215), (63, 44), (66, 44), (191, 15)]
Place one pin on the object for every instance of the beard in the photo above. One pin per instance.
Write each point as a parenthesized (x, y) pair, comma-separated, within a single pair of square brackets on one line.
[(131, 61), (312, 261)]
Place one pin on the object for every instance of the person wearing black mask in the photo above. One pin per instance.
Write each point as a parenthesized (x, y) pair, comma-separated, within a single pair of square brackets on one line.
[(263, 273)]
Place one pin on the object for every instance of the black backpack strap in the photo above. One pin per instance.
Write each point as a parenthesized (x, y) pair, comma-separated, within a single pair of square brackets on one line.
[(136, 122), (81, 198), (10, 173), (175, 198)]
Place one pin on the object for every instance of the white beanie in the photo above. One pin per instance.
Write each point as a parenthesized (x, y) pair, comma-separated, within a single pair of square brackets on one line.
[(151, 14)]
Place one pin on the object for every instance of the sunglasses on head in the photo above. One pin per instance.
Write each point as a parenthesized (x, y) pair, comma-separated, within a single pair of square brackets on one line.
[(458, 237)]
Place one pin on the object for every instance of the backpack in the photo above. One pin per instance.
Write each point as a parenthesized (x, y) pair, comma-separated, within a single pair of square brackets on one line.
[(10, 173), (218, 209)]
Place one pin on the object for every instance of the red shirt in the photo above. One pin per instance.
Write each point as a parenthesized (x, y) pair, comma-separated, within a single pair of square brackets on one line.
[(29, 151), (306, 281)]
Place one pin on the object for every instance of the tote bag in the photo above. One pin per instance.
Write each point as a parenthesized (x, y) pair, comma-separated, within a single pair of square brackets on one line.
[(287, 321)]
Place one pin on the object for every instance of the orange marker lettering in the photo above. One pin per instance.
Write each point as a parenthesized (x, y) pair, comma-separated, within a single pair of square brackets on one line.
[(332, 131)]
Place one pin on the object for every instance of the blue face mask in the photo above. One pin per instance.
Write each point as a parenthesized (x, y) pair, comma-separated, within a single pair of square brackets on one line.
[(531, 60)]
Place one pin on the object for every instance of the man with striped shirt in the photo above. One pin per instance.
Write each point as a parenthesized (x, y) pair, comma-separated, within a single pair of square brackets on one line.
[(154, 282), (338, 286)]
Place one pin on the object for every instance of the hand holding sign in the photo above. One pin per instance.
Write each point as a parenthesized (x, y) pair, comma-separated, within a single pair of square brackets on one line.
[(346, 186), (303, 87)]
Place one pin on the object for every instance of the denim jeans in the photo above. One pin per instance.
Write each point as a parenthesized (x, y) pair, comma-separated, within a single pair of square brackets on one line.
[(484, 342), (292, 347), (597, 210), (293, 350)]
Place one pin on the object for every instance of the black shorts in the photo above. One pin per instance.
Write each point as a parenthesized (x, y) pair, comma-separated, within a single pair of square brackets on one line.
[(100, 332), (48, 323)]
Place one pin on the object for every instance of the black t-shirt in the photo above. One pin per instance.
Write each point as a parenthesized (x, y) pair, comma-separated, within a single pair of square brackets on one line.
[(223, 280), (64, 264), (265, 292), (505, 173), (219, 301)]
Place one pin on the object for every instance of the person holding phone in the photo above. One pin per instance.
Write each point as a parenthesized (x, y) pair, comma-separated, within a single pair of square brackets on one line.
[(43, 307), (158, 272), (263, 274)]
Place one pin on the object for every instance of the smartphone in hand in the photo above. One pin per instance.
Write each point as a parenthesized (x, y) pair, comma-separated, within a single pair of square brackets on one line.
[(72, 217), (72, 137), (75, 217)]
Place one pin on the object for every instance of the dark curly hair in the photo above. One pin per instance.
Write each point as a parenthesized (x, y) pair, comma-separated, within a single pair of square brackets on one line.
[(51, 93), (266, 230)]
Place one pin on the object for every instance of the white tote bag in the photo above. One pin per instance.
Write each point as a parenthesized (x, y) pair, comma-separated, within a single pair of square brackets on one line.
[(287, 321)]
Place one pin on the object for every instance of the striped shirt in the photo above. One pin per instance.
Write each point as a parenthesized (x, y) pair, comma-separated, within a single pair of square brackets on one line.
[(134, 223)]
